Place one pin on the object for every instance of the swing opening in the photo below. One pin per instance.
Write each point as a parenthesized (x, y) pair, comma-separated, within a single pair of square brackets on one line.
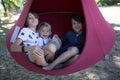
[(59, 17)]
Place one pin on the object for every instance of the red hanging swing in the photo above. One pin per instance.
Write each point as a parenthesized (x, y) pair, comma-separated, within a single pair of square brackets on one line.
[(100, 36)]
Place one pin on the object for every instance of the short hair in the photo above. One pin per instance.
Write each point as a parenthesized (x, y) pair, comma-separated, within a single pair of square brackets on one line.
[(78, 18)]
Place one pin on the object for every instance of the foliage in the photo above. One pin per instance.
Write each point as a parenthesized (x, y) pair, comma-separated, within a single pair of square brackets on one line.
[(16, 2), (15, 5), (97, 1), (1, 11), (107, 2)]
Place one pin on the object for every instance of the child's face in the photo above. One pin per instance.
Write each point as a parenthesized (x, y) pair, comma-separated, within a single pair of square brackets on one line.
[(77, 26), (45, 32), (32, 21)]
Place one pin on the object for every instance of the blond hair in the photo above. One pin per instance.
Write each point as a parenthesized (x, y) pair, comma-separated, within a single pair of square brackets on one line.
[(44, 24)]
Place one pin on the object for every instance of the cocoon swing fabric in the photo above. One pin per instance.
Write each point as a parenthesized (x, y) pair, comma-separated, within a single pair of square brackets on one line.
[(100, 36)]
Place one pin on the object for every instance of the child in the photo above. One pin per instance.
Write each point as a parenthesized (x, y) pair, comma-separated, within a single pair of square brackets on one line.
[(29, 36), (74, 39), (49, 45)]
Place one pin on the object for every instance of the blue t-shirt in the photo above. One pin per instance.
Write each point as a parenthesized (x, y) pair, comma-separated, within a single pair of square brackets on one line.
[(72, 38), (43, 41)]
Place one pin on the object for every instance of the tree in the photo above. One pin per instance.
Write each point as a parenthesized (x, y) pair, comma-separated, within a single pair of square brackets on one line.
[(3, 5), (5, 13), (13, 6)]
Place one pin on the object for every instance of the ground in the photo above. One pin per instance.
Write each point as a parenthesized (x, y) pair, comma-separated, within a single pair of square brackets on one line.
[(106, 69)]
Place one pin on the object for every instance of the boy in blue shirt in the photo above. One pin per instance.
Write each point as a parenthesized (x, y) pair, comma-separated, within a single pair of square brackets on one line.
[(74, 42)]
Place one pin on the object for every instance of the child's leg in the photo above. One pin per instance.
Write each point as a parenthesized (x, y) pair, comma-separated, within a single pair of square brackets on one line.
[(71, 60), (41, 61), (72, 51), (38, 59), (49, 50), (57, 41)]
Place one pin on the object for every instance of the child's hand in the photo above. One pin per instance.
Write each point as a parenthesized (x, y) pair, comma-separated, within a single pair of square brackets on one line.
[(55, 36), (36, 50)]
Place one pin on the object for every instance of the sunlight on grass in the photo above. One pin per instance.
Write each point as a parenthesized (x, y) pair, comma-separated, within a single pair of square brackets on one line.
[(15, 17), (1, 30), (3, 33), (8, 26), (111, 16), (117, 28)]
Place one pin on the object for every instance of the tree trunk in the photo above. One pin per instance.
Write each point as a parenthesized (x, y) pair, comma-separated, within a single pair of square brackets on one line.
[(5, 14)]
